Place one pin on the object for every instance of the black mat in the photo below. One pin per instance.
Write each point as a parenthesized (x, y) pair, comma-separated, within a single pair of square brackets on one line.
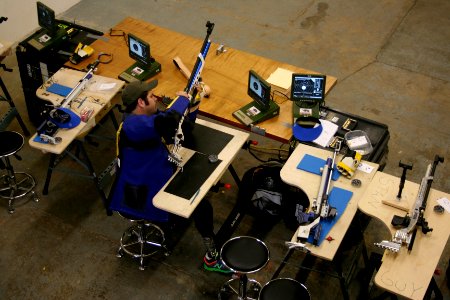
[(195, 172), (206, 140)]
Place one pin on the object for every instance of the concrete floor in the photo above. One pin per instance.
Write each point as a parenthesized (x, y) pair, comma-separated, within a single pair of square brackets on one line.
[(391, 59)]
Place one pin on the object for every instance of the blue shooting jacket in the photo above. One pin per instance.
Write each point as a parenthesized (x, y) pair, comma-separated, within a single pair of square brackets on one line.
[(144, 170)]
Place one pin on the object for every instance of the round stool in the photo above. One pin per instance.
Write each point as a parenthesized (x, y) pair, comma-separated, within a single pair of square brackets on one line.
[(284, 288), (141, 240), (13, 185), (243, 255)]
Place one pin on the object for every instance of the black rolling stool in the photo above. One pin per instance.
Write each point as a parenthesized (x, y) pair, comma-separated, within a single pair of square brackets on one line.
[(13, 185), (243, 255), (284, 288), (142, 239)]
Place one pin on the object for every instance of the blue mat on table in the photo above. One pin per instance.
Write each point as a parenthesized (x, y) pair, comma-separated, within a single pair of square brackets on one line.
[(313, 165), (339, 198), (59, 89)]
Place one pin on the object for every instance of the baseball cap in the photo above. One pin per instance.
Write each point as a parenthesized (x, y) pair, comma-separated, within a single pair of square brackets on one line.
[(135, 89)]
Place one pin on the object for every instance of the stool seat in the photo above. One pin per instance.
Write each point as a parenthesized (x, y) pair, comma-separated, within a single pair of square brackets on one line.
[(284, 288), (13, 185), (243, 255), (11, 142)]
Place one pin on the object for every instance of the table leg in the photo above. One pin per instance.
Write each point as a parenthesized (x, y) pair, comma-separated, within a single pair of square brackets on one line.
[(283, 263), (92, 173), (51, 165), (235, 216)]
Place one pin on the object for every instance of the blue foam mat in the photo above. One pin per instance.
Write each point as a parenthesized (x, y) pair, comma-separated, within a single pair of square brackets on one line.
[(339, 199), (313, 165)]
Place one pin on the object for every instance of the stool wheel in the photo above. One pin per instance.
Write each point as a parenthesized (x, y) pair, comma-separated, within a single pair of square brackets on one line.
[(284, 288)]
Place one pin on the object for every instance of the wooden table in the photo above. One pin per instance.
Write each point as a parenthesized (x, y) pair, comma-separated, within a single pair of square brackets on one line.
[(309, 183), (184, 208), (226, 74), (93, 96), (406, 274)]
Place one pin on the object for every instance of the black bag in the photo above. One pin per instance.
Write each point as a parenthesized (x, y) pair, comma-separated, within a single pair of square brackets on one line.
[(269, 198)]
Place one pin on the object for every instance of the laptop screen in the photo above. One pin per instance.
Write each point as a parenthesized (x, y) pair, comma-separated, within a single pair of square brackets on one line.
[(308, 87), (259, 90)]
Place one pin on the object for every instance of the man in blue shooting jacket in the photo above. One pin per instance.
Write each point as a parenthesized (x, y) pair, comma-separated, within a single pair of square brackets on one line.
[(144, 167)]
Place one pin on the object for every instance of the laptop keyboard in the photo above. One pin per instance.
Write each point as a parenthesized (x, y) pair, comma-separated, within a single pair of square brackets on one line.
[(127, 77), (242, 117)]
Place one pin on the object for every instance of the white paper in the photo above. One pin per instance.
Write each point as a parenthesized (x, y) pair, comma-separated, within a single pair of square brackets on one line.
[(445, 203), (365, 168), (281, 77), (329, 129), (107, 86)]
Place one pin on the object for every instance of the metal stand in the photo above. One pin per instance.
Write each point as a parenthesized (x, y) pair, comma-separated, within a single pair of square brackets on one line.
[(6, 119)]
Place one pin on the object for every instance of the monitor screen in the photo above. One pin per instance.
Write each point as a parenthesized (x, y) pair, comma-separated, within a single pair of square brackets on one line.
[(259, 90), (308, 87), (46, 17), (139, 50)]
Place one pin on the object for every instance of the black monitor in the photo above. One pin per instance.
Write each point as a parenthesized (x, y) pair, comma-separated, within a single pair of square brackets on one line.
[(46, 18), (145, 65), (139, 50), (259, 90), (308, 87)]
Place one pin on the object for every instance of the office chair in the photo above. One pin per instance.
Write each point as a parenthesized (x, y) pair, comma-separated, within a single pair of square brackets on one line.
[(243, 255), (13, 185)]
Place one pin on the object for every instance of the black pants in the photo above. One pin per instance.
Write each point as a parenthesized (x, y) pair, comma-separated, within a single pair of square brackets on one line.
[(203, 219)]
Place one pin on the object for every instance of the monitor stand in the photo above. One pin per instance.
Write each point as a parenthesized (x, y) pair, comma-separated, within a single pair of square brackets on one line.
[(252, 113), (140, 72)]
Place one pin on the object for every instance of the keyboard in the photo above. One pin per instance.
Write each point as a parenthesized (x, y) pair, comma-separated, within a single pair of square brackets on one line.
[(36, 44), (127, 77), (242, 117)]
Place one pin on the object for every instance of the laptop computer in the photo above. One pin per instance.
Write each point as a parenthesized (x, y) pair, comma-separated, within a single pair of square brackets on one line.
[(262, 107)]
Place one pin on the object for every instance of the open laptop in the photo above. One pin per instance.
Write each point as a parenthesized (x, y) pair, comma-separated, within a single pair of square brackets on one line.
[(262, 107), (307, 95)]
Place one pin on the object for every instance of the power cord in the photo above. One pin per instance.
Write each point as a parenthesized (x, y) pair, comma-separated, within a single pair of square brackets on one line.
[(252, 147)]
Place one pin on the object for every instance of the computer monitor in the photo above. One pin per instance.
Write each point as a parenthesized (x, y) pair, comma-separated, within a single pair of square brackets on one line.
[(308, 87), (145, 65), (46, 18), (259, 90)]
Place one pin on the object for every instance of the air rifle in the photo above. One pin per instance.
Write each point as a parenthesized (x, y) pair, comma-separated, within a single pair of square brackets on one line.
[(407, 235), (191, 90), (321, 208)]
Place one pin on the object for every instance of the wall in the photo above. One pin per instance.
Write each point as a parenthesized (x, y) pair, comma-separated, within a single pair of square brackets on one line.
[(22, 17)]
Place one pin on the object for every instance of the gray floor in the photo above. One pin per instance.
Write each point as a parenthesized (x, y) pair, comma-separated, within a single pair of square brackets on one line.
[(391, 59)]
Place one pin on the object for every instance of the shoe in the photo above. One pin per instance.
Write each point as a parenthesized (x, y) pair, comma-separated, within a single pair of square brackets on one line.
[(215, 265)]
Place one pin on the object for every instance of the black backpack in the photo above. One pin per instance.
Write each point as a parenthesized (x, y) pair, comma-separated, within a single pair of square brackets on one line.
[(268, 198)]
